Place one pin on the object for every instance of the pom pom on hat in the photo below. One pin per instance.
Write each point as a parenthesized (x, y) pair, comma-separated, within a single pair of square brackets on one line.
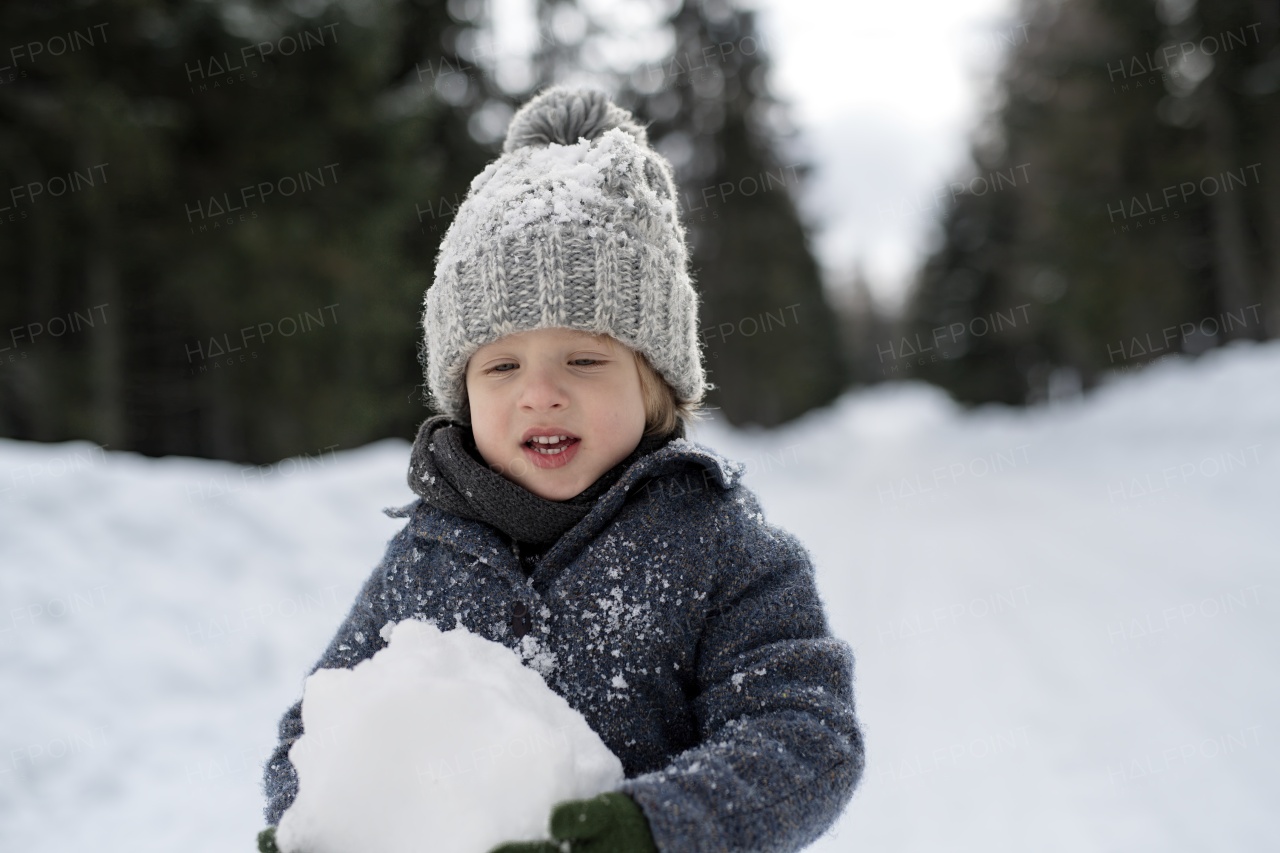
[(564, 116)]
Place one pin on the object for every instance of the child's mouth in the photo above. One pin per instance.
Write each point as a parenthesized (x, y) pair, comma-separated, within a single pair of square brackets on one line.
[(550, 444), (551, 451)]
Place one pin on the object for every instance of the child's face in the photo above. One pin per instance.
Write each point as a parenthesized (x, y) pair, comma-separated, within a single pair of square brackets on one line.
[(555, 381)]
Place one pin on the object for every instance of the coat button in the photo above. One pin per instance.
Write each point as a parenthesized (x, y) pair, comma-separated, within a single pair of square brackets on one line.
[(521, 623)]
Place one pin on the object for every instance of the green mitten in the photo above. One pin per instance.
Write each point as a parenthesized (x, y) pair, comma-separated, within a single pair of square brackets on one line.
[(609, 823), (267, 841)]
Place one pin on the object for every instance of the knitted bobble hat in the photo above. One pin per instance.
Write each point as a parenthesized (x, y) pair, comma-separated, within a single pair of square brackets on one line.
[(575, 225)]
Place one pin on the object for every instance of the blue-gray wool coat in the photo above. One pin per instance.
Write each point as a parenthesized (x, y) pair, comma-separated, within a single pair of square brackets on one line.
[(682, 625)]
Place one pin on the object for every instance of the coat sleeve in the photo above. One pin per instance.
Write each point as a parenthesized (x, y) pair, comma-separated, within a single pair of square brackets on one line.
[(780, 749), (357, 638)]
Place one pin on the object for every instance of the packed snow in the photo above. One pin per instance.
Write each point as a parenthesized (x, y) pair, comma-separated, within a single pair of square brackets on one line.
[(567, 179), (1064, 619), (442, 735)]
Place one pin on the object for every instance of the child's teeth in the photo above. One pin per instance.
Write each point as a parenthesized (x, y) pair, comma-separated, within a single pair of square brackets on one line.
[(561, 442)]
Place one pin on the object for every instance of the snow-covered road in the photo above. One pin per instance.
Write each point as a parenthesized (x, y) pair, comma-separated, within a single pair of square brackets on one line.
[(1065, 620)]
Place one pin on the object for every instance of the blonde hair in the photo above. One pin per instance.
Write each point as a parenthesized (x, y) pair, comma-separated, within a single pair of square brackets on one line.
[(662, 409)]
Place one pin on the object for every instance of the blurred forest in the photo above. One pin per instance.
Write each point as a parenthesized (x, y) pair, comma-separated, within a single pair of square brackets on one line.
[(218, 220), (1124, 204), (224, 216)]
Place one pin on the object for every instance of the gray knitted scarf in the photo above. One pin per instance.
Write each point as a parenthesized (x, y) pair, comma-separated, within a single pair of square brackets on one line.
[(447, 470)]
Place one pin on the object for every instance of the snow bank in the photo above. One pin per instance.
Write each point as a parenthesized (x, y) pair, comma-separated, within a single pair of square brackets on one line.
[(1064, 619), (441, 737)]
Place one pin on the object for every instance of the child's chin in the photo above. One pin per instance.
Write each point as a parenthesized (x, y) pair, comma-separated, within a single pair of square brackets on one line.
[(556, 484), (559, 492)]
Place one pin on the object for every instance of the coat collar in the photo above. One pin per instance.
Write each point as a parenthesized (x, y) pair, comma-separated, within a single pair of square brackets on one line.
[(699, 464)]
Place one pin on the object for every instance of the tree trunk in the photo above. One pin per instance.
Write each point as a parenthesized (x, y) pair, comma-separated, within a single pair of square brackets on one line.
[(106, 311), (1235, 276)]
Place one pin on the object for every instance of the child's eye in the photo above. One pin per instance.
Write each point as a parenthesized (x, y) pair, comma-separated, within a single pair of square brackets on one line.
[(577, 362)]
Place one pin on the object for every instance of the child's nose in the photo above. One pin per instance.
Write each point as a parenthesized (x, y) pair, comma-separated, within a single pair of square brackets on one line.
[(541, 390)]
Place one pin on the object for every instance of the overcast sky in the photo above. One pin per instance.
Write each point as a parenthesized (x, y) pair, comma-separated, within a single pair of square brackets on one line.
[(884, 94)]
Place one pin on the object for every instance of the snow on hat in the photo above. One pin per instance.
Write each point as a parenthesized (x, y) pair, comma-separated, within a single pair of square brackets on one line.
[(575, 225)]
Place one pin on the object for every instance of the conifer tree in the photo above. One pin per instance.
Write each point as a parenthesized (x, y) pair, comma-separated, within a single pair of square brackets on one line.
[(770, 334), (1119, 246), (274, 185)]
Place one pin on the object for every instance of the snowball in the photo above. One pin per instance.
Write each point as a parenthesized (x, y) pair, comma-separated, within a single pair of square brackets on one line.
[(440, 741)]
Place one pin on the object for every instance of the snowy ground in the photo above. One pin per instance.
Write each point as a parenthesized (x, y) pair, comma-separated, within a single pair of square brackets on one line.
[(1065, 620)]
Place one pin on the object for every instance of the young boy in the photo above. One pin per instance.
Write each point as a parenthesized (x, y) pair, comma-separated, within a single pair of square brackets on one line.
[(563, 513)]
